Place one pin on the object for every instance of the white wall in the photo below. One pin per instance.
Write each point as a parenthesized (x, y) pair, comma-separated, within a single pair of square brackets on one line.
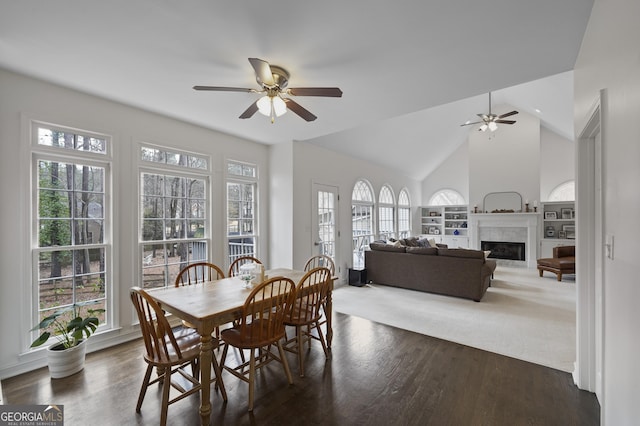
[(506, 160), (453, 173), (315, 164), (557, 161), (609, 60), (522, 158), (23, 98)]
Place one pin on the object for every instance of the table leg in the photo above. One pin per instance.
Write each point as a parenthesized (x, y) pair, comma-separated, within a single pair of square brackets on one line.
[(206, 351), (328, 313)]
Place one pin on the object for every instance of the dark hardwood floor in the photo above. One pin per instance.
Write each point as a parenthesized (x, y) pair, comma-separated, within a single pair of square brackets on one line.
[(377, 375)]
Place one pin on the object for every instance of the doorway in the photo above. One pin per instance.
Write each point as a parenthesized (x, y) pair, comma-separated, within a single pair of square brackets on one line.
[(325, 221)]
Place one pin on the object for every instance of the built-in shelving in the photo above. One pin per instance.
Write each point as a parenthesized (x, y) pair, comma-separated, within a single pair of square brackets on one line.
[(446, 224), (558, 226)]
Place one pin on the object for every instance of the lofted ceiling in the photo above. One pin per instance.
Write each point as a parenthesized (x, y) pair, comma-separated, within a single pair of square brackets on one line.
[(411, 71)]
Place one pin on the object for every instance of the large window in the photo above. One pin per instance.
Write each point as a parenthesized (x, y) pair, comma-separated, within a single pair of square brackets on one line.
[(404, 214), (72, 223), (361, 220), (173, 213), (386, 213), (242, 230)]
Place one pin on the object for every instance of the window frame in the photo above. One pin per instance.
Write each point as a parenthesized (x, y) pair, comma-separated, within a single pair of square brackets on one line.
[(360, 241), (404, 209), (242, 179), (100, 159), (386, 207), (164, 170)]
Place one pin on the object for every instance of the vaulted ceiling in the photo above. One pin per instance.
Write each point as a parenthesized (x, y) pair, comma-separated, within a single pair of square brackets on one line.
[(411, 71)]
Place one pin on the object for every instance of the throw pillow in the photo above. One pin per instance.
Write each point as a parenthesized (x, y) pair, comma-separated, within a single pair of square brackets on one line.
[(487, 253)]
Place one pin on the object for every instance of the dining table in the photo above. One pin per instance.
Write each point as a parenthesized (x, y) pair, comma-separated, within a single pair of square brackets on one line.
[(215, 303)]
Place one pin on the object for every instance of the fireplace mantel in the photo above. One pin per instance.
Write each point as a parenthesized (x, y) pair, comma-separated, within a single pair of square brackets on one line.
[(507, 220)]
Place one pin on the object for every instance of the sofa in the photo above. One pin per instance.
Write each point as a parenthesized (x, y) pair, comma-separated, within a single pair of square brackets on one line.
[(453, 272)]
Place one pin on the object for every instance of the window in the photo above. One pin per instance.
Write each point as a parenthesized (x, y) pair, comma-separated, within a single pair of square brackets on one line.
[(242, 184), (564, 192), (72, 225), (173, 214), (386, 213), (446, 197), (404, 214), (361, 220)]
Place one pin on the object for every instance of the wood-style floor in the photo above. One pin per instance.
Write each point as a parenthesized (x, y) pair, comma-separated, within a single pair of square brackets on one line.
[(377, 375)]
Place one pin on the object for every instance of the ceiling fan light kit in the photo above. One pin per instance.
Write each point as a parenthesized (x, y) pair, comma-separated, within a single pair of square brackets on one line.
[(490, 121), (273, 81)]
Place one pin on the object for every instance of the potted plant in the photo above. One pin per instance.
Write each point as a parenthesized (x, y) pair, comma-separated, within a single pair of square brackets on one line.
[(66, 357)]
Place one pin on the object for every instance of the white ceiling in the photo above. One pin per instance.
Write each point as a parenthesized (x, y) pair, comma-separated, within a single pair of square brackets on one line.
[(411, 71)]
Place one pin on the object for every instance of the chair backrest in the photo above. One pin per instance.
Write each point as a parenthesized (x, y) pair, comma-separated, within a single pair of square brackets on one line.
[(198, 273), (265, 310), (234, 269), (311, 290), (159, 340), (320, 261)]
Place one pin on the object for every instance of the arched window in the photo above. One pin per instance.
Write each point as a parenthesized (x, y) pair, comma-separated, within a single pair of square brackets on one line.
[(447, 197), (404, 214), (386, 213), (564, 192), (361, 220)]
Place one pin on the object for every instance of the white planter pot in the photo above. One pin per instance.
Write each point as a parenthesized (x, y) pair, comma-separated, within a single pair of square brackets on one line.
[(63, 363)]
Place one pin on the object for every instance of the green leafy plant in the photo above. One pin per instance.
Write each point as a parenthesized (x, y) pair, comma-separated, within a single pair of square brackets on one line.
[(72, 332)]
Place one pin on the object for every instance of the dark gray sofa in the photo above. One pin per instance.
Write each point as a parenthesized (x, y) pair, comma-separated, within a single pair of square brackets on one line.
[(453, 272)]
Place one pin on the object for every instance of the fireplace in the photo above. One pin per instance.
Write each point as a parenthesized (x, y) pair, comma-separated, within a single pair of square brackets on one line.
[(504, 249), (509, 227)]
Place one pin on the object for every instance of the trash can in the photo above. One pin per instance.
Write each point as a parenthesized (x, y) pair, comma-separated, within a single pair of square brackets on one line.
[(357, 277)]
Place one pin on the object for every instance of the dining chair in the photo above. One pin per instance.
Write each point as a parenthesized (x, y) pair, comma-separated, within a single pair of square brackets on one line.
[(234, 268), (306, 313), (317, 261), (170, 353), (260, 327), (198, 273), (320, 261)]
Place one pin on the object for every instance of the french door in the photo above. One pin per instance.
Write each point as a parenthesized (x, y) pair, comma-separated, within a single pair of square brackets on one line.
[(325, 221)]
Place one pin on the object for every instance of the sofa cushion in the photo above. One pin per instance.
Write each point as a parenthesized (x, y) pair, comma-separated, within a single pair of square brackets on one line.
[(460, 252), (410, 242), (423, 250), (387, 247)]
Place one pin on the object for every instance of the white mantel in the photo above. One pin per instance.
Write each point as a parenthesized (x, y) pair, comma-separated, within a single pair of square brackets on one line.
[(529, 221)]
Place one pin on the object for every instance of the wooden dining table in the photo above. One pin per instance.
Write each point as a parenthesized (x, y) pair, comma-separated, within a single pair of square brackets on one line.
[(211, 304)]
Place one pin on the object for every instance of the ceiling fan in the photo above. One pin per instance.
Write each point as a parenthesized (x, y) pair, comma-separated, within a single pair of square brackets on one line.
[(490, 121), (273, 82)]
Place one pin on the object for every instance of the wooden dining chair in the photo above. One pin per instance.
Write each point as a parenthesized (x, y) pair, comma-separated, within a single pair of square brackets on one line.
[(234, 268), (198, 273), (169, 353), (260, 327), (320, 261), (306, 313)]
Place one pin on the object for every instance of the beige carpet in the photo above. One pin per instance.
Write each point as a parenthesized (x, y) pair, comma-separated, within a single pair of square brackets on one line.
[(521, 316)]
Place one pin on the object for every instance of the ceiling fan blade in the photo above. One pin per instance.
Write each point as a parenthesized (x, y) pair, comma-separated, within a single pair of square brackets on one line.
[(333, 92), (505, 121), (248, 113), (469, 124), (302, 112), (224, 89), (263, 71), (508, 114)]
